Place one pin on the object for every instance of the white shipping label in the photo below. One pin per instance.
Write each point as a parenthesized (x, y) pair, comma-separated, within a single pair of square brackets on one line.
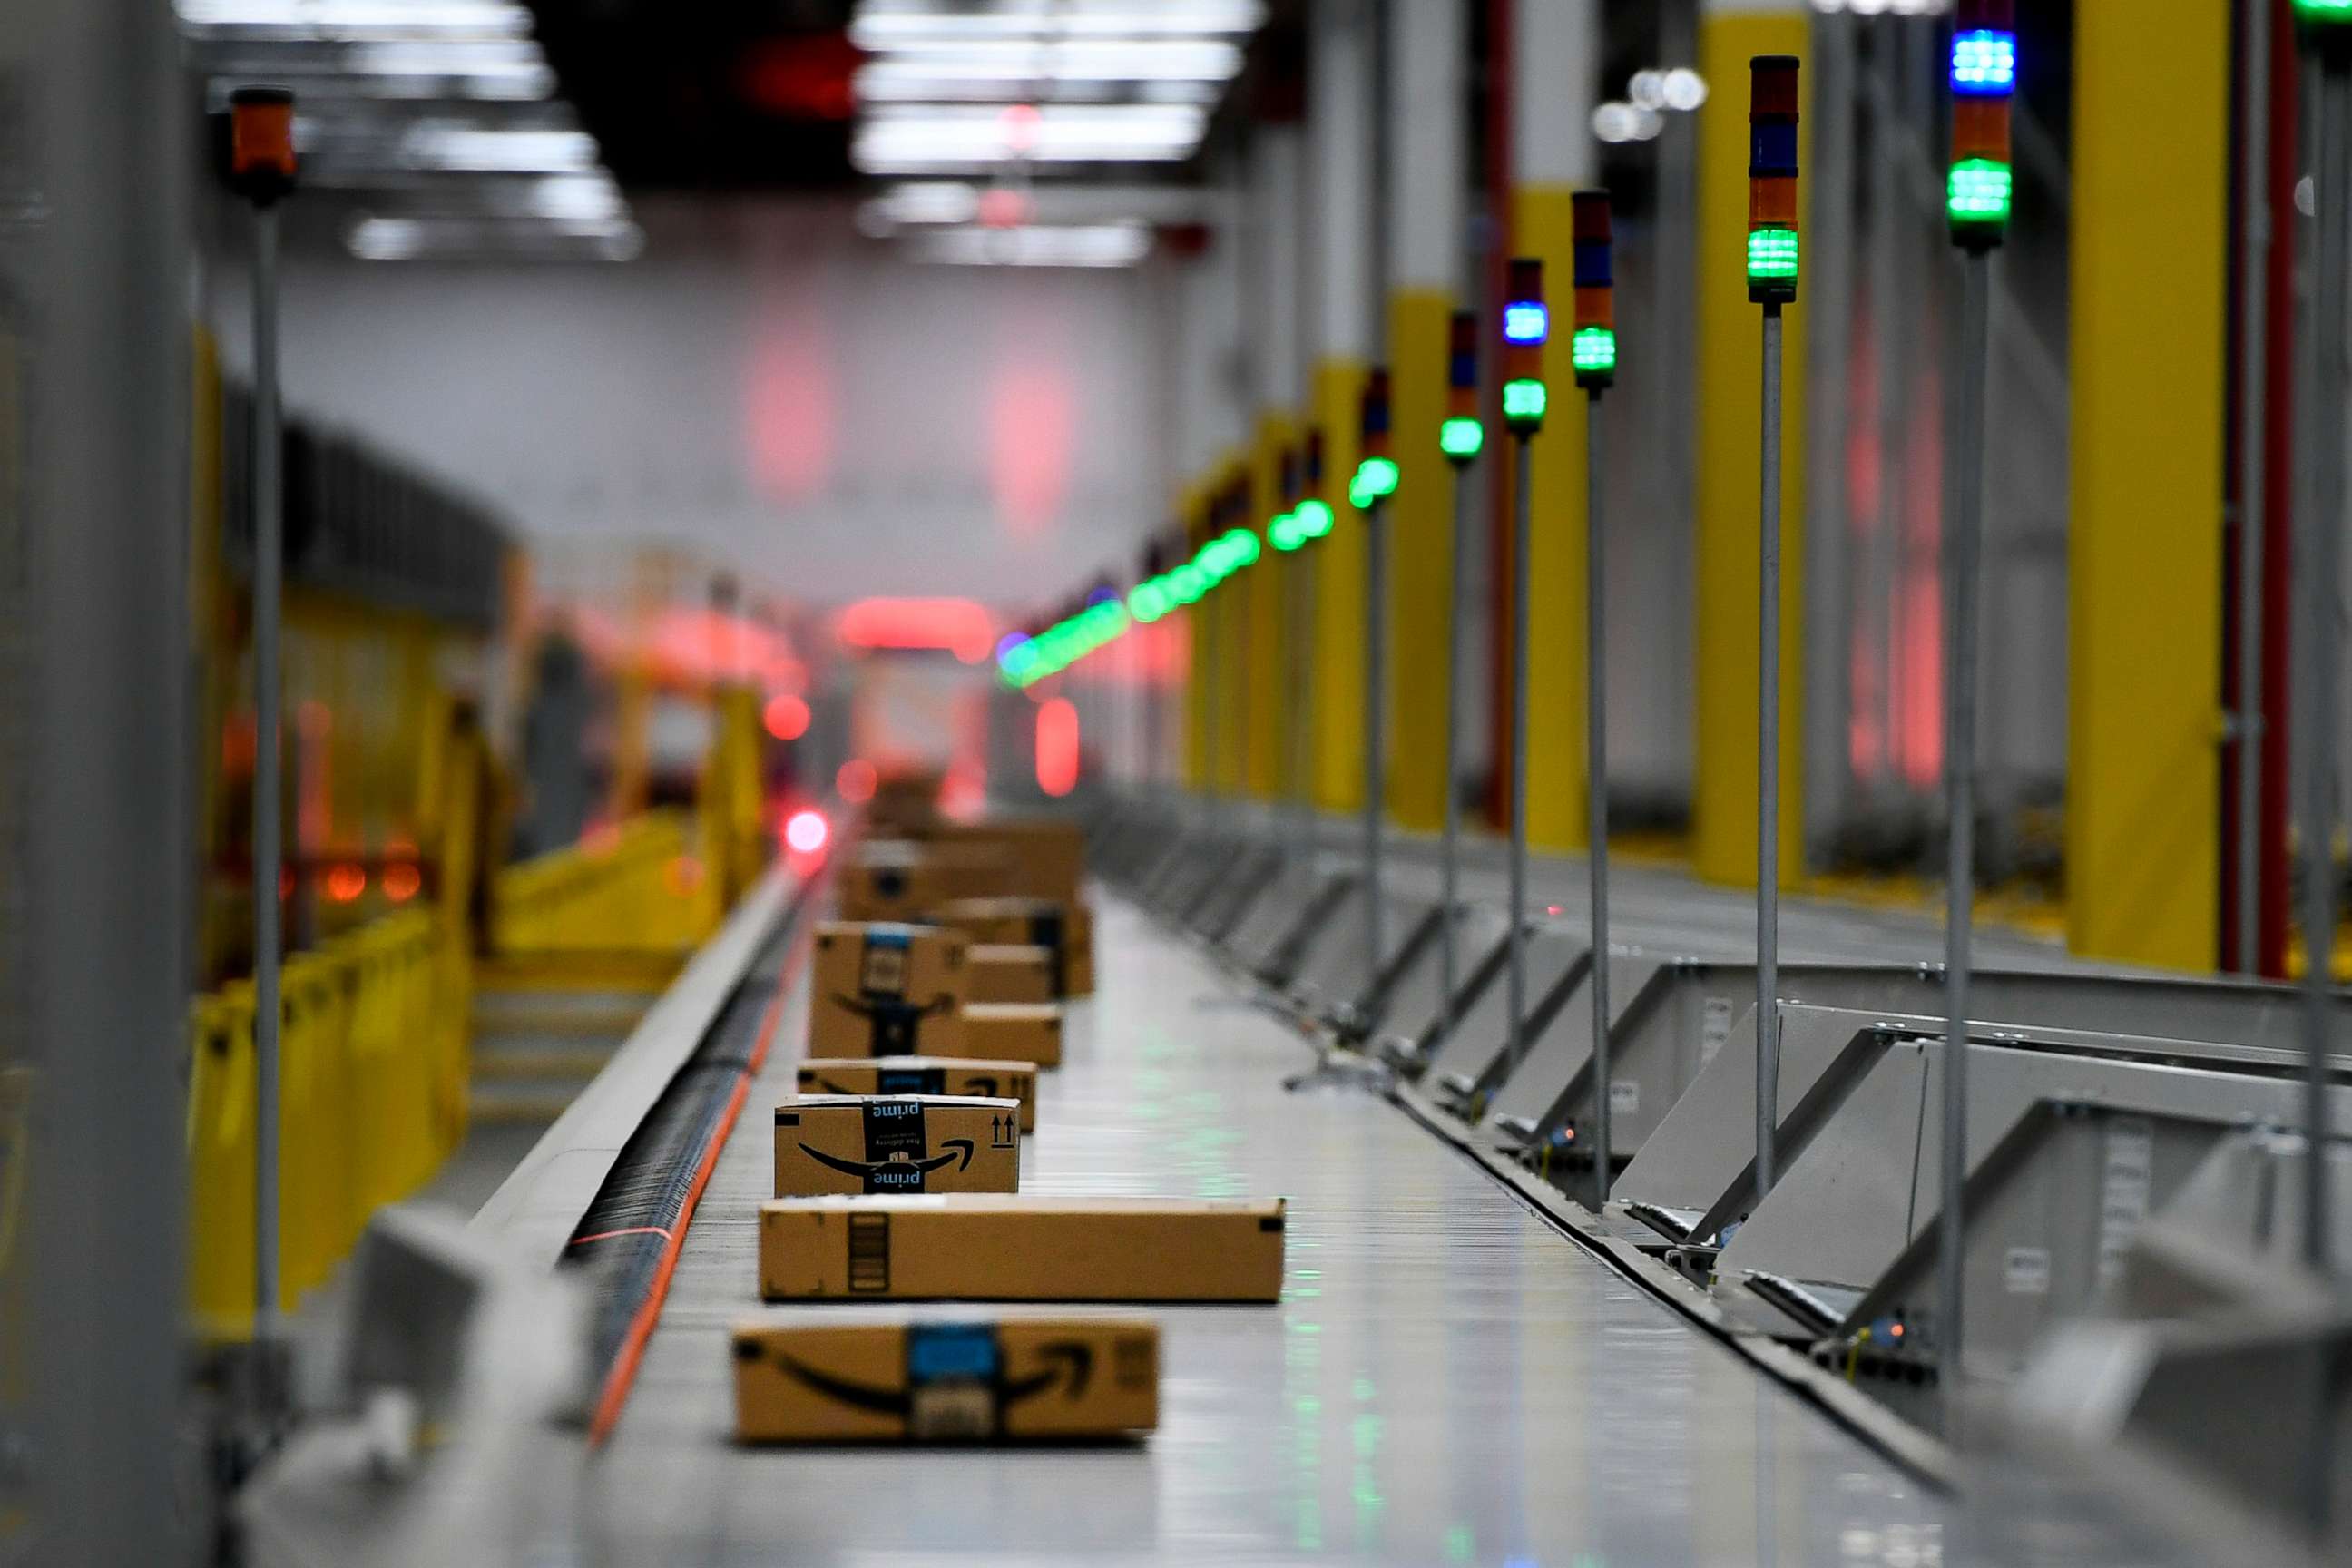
[(1624, 1096), (2025, 1270), (2126, 1173), (1714, 1028)]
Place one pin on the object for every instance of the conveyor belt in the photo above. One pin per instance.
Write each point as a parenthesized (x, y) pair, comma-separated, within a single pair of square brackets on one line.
[(1447, 1379)]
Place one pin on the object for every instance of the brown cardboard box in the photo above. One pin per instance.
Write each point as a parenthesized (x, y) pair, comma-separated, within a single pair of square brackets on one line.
[(925, 1075), (975, 1246), (1067, 929), (884, 990), (1043, 856), (1014, 1032), (902, 1379), (905, 802), (905, 879), (997, 973), (897, 1143)]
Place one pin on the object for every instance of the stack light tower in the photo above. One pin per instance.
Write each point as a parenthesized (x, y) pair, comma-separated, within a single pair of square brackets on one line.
[(1773, 251), (1593, 356), (1527, 327), (1461, 437), (1978, 191)]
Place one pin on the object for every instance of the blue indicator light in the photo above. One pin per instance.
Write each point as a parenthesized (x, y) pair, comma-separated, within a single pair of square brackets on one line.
[(1984, 63), (1526, 322)]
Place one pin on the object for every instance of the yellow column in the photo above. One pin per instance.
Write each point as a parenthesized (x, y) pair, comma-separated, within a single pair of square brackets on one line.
[(1543, 226), (1420, 561), (1199, 638), (2143, 561), (1338, 566), (1730, 373), (1269, 610)]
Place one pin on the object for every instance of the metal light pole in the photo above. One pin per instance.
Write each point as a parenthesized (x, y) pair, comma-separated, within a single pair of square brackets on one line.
[(1527, 327), (262, 170), (1976, 203), (1314, 518), (2327, 35), (1772, 251), (1460, 439), (1592, 354), (1376, 480)]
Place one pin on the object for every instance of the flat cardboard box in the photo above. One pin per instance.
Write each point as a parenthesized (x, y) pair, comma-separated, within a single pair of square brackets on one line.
[(1042, 857), (1067, 929), (905, 1379), (997, 971), (897, 1143), (907, 878), (925, 1075), (904, 803), (1014, 1032), (979, 1247), (878, 989)]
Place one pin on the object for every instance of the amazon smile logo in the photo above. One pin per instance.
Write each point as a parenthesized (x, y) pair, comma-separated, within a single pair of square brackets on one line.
[(901, 1172)]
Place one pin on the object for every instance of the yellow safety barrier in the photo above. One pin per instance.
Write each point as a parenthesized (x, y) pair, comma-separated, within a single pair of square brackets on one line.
[(639, 887), (372, 1079)]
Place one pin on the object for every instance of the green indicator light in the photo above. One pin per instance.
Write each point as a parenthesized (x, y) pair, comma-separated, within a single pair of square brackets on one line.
[(1149, 602), (1314, 519), (1376, 480), (1978, 190), (1284, 533), (2324, 10), (1524, 401), (1772, 256), (1594, 349), (1461, 437), (1245, 546), (1188, 583)]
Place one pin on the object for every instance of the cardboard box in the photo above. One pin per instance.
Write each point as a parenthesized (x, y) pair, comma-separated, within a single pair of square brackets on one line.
[(884, 990), (1014, 1032), (905, 803), (905, 879), (1068, 930), (897, 1143), (924, 1380), (1042, 857), (975, 1246), (926, 1075), (996, 973)]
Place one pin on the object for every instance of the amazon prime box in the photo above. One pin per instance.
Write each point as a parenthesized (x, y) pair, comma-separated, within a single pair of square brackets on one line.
[(850, 1143)]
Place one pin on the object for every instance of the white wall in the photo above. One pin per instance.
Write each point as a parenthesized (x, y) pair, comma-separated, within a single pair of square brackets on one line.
[(763, 385)]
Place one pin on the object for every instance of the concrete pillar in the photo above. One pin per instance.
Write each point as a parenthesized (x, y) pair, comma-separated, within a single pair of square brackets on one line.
[(1554, 78), (2150, 244), (1730, 371), (1425, 241), (1339, 210)]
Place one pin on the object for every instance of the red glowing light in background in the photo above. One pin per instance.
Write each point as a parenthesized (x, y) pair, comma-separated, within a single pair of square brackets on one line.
[(1001, 206), (957, 626), (1057, 747), (345, 883), (1019, 124), (855, 780), (806, 831), (787, 717), (1032, 432), (401, 882), (789, 396)]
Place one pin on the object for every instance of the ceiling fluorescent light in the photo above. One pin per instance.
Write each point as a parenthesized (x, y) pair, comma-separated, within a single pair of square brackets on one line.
[(947, 138), (465, 147), (1094, 244), (332, 21), (882, 24)]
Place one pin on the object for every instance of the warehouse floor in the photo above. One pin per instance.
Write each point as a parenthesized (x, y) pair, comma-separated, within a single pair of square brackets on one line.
[(1446, 1379)]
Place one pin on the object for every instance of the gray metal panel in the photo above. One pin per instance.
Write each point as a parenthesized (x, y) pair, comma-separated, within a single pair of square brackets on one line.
[(1558, 1066), (1869, 1181), (1468, 1056), (1340, 966), (1415, 1010), (2051, 1210)]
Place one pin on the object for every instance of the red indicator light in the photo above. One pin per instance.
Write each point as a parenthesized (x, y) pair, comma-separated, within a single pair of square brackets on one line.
[(855, 780), (960, 627), (345, 883), (401, 882), (806, 831), (787, 717), (1057, 747)]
